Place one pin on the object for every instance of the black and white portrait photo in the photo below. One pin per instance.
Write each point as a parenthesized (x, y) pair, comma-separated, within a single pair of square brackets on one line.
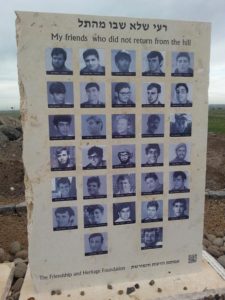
[(123, 213), (153, 63), (95, 215), (123, 63), (94, 187), (180, 154), (123, 126), (96, 243), (94, 157), (64, 189), (151, 238), (151, 211), (180, 124), (178, 209), (181, 94), (58, 61), (123, 94), (153, 95), (179, 182), (152, 155), (183, 64), (152, 183), (152, 125), (92, 62), (61, 127), (62, 158), (92, 94), (93, 127), (64, 218), (60, 94), (124, 185), (123, 156)]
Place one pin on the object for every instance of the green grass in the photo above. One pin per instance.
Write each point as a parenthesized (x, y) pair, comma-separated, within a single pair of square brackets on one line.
[(216, 120), (10, 113)]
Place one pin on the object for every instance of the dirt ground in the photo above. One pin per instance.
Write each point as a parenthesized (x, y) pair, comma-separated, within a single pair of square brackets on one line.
[(12, 189)]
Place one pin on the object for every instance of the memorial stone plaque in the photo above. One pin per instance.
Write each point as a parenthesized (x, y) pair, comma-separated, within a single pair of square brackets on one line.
[(114, 114)]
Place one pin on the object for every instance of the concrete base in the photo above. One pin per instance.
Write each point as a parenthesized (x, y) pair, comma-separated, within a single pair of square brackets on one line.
[(210, 281), (6, 277)]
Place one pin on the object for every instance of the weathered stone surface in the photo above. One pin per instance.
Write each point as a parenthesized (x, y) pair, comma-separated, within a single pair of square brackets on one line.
[(22, 254), (11, 121), (221, 260), (213, 250), (15, 247), (206, 243), (17, 285), (218, 242), (20, 270), (211, 237)]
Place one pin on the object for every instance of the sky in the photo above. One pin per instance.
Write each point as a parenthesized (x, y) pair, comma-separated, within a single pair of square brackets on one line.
[(189, 10)]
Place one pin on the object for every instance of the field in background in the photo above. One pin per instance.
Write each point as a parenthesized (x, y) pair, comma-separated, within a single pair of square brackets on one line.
[(216, 117), (10, 113)]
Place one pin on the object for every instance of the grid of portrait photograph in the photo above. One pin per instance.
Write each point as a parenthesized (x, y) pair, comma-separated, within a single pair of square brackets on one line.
[(107, 147)]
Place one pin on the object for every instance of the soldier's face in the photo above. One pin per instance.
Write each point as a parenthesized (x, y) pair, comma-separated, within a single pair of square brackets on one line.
[(58, 61), (94, 159), (154, 64), (124, 95), (123, 65), (181, 94), (178, 209), (124, 186), (63, 219), (63, 157), (64, 189), (183, 64), (63, 128), (92, 94), (152, 95), (93, 188), (59, 98), (151, 184), (178, 183), (152, 212), (149, 238), (92, 62), (124, 214), (95, 244), (97, 216), (181, 152), (152, 156), (122, 126), (93, 127)]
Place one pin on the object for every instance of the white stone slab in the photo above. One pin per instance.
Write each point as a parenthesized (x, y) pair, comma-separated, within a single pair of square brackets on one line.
[(192, 286)]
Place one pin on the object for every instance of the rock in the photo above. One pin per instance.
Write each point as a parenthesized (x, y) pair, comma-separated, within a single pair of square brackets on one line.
[(20, 270), (220, 234), (221, 260), (17, 285), (206, 243), (3, 138), (218, 242), (222, 249), (11, 132), (213, 250), (15, 247), (9, 257), (211, 237), (22, 254), (130, 290), (18, 260), (2, 255), (16, 296)]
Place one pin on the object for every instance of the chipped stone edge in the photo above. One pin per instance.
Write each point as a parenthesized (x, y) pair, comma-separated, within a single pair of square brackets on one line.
[(214, 264)]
